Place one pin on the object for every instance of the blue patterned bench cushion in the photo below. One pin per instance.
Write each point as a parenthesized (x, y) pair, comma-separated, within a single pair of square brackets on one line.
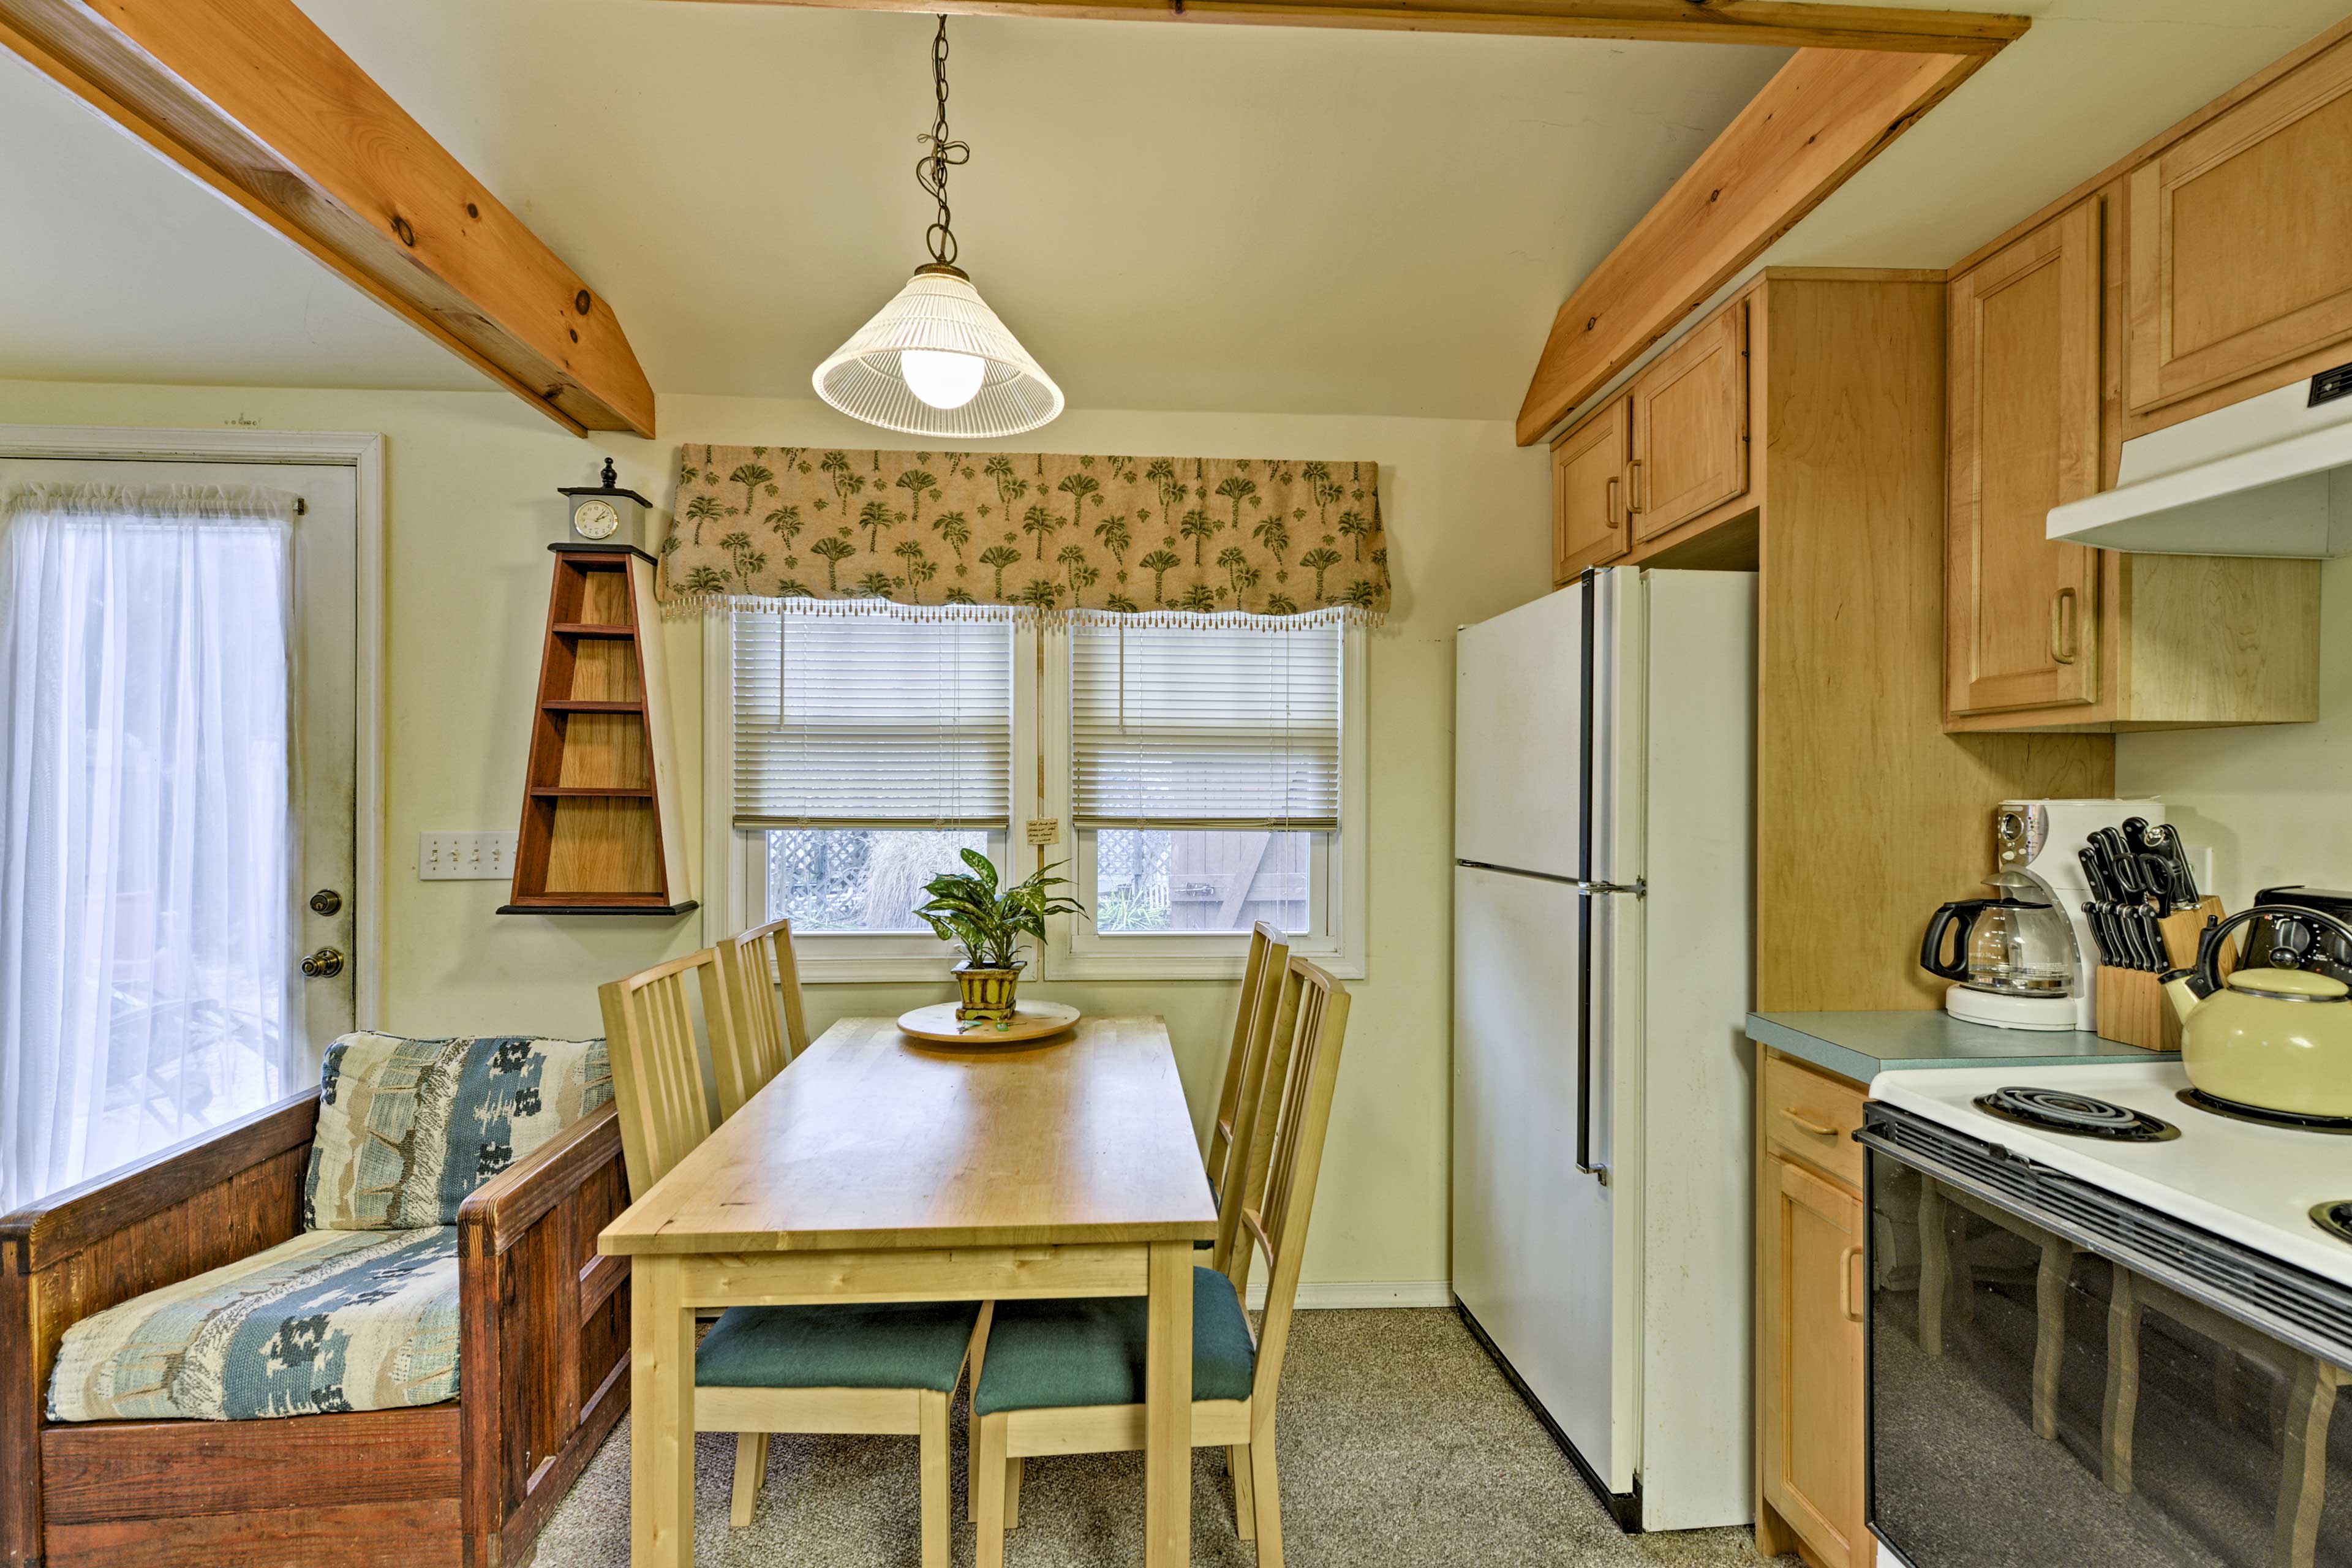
[(331, 1320), (408, 1128)]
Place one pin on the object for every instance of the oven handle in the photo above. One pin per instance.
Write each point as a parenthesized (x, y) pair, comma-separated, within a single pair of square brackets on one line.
[(2139, 1261)]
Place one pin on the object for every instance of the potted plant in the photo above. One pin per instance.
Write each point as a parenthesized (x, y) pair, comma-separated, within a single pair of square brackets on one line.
[(969, 909)]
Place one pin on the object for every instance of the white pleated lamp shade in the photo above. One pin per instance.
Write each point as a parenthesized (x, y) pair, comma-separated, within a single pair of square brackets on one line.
[(939, 315)]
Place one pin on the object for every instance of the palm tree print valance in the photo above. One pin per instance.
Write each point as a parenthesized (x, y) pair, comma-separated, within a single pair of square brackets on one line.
[(1042, 533)]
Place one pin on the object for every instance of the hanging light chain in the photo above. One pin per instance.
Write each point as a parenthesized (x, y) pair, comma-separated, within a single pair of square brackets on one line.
[(932, 168)]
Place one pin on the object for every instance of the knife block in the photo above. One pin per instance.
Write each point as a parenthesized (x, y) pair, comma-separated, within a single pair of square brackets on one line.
[(2132, 1008)]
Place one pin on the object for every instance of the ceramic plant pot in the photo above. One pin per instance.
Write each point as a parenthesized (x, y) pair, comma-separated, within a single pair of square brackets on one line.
[(987, 993)]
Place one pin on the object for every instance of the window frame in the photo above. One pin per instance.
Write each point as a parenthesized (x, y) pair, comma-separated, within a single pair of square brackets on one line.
[(1074, 951), (736, 871), (736, 862)]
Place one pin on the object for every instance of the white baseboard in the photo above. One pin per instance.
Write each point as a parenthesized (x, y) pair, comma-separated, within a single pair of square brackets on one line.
[(1336, 1293)]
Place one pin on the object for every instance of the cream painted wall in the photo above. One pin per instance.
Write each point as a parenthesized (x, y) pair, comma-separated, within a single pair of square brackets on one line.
[(471, 507), (2275, 801)]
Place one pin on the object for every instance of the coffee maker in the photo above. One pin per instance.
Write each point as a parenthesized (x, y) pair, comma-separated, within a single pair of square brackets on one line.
[(2045, 840)]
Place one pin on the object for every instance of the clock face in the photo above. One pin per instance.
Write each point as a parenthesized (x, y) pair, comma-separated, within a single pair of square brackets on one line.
[(595, 518)]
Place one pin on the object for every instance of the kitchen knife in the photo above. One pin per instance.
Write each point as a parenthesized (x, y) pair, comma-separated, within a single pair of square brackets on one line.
[(2166, 841), (2136, 836), (2115, 855), (2094, 873), (2152, 942), (2096, 915)]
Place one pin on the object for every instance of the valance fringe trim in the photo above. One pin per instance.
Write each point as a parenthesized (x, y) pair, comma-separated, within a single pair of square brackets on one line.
[(692, 606)]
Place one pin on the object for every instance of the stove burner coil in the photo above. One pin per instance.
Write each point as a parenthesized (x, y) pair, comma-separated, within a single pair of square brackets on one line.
[(2237, 1112), (2055, 1110)]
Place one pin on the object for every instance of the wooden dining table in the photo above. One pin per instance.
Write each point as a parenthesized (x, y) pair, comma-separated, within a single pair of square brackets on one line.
[(877, 1167)]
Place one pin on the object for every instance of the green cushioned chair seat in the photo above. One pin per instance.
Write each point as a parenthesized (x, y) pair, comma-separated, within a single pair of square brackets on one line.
[(1050, 1355), (890, 1345)]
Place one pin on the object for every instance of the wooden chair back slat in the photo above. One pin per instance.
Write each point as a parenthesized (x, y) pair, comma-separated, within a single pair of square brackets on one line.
[(656, 1066), (1264, 1072), (763, 988), (1269, 953), (1294, 1119)]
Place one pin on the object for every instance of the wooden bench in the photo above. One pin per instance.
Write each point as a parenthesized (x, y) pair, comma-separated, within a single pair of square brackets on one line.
[(542, 1371)]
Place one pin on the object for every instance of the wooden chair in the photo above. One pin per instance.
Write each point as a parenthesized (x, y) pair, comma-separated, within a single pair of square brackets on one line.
[(1269, 953), (763, 988), (888, 1367), (1944, 1272), (1035, 1347), (2311, 1386)]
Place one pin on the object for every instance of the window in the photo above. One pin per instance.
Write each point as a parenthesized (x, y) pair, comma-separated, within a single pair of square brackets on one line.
[(866, 753), (1201, 780), (1207, 775)]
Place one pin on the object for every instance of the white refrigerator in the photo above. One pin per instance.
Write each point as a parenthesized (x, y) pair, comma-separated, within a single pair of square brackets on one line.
[(1603, 1087)]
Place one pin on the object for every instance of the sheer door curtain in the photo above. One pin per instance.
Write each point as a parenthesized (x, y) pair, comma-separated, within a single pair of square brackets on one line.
[(147, 823)]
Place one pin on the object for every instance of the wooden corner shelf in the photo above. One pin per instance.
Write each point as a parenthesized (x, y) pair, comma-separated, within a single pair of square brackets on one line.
[(600, 824)]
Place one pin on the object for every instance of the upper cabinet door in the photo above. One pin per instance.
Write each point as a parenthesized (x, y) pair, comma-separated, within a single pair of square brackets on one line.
[(2240, 255), (1690, 427), (1588, 493), (2021, 612)]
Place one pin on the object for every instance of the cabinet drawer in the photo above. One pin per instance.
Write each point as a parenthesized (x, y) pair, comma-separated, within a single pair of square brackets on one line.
[(1813, 1117)]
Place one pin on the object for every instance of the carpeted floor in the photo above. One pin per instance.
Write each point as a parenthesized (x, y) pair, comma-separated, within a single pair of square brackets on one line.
[(1401, 1447)]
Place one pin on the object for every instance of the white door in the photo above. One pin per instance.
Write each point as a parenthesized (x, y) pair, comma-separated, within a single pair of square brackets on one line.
[(1533, 1236), (321, 648), (1515, 715)]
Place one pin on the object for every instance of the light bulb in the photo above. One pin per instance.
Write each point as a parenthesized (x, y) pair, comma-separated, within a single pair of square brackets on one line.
[(941, 377)]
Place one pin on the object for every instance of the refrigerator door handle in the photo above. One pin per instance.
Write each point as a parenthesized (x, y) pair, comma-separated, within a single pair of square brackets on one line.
[(1584, 1039), (1589, 586)]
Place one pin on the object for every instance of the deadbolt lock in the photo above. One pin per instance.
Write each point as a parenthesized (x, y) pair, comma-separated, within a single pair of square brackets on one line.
[(326, 901), (323, 964)]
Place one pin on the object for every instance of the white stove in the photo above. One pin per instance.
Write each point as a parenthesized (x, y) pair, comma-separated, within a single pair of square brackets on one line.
[(2250, 1184)]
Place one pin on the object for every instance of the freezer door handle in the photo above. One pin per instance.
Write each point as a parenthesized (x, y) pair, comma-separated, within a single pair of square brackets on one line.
[(1589, 586)]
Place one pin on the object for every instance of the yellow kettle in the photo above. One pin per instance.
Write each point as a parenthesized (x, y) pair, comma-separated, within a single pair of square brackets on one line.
[(2276, 1039)]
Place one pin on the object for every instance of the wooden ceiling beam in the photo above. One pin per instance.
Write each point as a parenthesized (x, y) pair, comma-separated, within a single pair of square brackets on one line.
[(251, 99), (1824, 115), (1777, 23)]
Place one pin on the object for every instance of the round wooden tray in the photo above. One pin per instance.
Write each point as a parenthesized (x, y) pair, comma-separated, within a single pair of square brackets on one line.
[(1030, 1021)]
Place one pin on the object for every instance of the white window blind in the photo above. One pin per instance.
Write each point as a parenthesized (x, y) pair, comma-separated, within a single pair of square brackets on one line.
[(1184, 728), (868, 721)]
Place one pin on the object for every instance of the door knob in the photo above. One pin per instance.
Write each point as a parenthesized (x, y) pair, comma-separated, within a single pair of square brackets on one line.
[(323, 964), (326, 901)]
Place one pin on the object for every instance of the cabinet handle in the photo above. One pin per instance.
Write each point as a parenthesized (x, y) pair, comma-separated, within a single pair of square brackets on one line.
[(1634, 493), (2062, 648), (1610, 505), (1846, 1260), (1808, 1123)]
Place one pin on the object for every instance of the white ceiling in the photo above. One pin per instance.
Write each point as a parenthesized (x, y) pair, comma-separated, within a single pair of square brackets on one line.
[(1171, 217)]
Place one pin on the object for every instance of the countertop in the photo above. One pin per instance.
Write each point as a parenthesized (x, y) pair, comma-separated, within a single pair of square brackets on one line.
[(1860, 1045)]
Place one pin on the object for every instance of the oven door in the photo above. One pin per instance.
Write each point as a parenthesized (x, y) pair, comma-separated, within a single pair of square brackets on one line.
[(2033, 1401)]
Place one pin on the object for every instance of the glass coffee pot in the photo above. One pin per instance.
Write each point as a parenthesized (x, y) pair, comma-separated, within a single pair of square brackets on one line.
[(2017, 947)]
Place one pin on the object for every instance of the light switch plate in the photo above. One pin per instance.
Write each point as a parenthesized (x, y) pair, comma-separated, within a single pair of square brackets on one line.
[(453, 856)]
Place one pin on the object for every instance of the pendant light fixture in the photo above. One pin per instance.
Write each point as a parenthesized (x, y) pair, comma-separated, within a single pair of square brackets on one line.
[(936, 361)]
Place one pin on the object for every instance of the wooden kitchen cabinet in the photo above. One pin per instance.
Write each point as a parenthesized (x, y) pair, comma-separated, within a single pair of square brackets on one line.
[(1587, 492), (2240, 254), (1812, 1285), (2043, 635), (1690, 427), (2024, 412)]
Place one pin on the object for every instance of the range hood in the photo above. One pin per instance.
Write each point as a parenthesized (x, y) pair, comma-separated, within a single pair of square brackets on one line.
[(2270, 476)]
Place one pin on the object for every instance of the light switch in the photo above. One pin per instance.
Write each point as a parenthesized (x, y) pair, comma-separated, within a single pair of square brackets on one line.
[(455, 856)]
